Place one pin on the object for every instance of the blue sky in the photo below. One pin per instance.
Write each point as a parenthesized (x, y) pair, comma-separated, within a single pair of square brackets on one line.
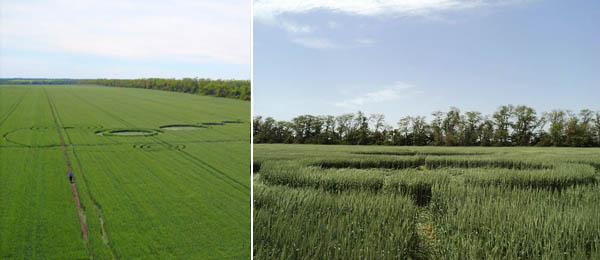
[(125, 38), (414, 57)]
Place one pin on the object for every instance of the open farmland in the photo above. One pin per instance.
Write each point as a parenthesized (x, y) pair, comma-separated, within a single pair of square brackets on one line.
[(376, 202), (159, 175)]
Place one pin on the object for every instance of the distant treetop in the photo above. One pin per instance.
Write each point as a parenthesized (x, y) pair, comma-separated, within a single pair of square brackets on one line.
[(508, 126)]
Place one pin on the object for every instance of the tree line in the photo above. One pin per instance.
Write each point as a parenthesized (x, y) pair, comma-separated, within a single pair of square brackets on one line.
[(237, 89), (508, 126), (38, 81)]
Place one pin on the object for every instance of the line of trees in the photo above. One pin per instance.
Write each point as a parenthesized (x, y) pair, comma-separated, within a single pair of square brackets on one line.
[(237, 89), (508, 126), (40, 81)]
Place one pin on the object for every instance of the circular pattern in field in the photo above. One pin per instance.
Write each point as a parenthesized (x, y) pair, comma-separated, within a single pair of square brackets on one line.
[(415, 177), (213, 123), (233, 121), (37, 128), (83, 127), (33, 137), (128, 132), (181, 127), (44, 136), (465, 200), (150, 147)]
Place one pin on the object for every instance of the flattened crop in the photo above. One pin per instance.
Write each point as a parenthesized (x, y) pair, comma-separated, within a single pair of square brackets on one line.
[(128, 132)]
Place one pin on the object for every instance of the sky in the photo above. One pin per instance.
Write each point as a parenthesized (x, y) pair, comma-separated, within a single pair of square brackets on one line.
[(125, 39), (413, 57)]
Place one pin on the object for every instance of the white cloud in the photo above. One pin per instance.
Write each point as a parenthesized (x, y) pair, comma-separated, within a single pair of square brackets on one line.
[(271, 13), (314, 42), (397, 91), (295, 28), (177, 30), (333, 25), (364, 41), (269, 9)]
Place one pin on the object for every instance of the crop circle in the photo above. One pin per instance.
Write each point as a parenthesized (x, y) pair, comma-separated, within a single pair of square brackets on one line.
[(213, 123), (181, 127), (158, 147), (129, 132)]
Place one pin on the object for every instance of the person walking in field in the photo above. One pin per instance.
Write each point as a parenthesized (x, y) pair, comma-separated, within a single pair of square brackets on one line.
[(71, 177)]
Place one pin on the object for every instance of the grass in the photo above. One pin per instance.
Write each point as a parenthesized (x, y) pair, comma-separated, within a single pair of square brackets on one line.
[(310, 224), (185, 196), (494, 222), (456, 202)]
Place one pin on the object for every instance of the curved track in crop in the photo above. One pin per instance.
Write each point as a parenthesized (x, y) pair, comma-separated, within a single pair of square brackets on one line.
[(335, 202)]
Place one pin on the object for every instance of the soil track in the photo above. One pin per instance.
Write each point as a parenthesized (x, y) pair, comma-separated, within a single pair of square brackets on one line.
[(73, 187)]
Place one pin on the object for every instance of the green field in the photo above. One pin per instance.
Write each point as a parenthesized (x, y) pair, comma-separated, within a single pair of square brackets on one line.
[(147, 189), (377, 202)]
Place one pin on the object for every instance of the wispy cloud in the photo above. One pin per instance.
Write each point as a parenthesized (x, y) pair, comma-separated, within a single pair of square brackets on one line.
[(397, 91), (364, 41), (333, 25), (272, 13), (207, 31), (269, 9), (314, 42), (295, 28)]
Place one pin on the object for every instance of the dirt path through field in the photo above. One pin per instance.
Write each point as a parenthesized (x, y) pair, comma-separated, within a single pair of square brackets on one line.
[(73, 187)]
